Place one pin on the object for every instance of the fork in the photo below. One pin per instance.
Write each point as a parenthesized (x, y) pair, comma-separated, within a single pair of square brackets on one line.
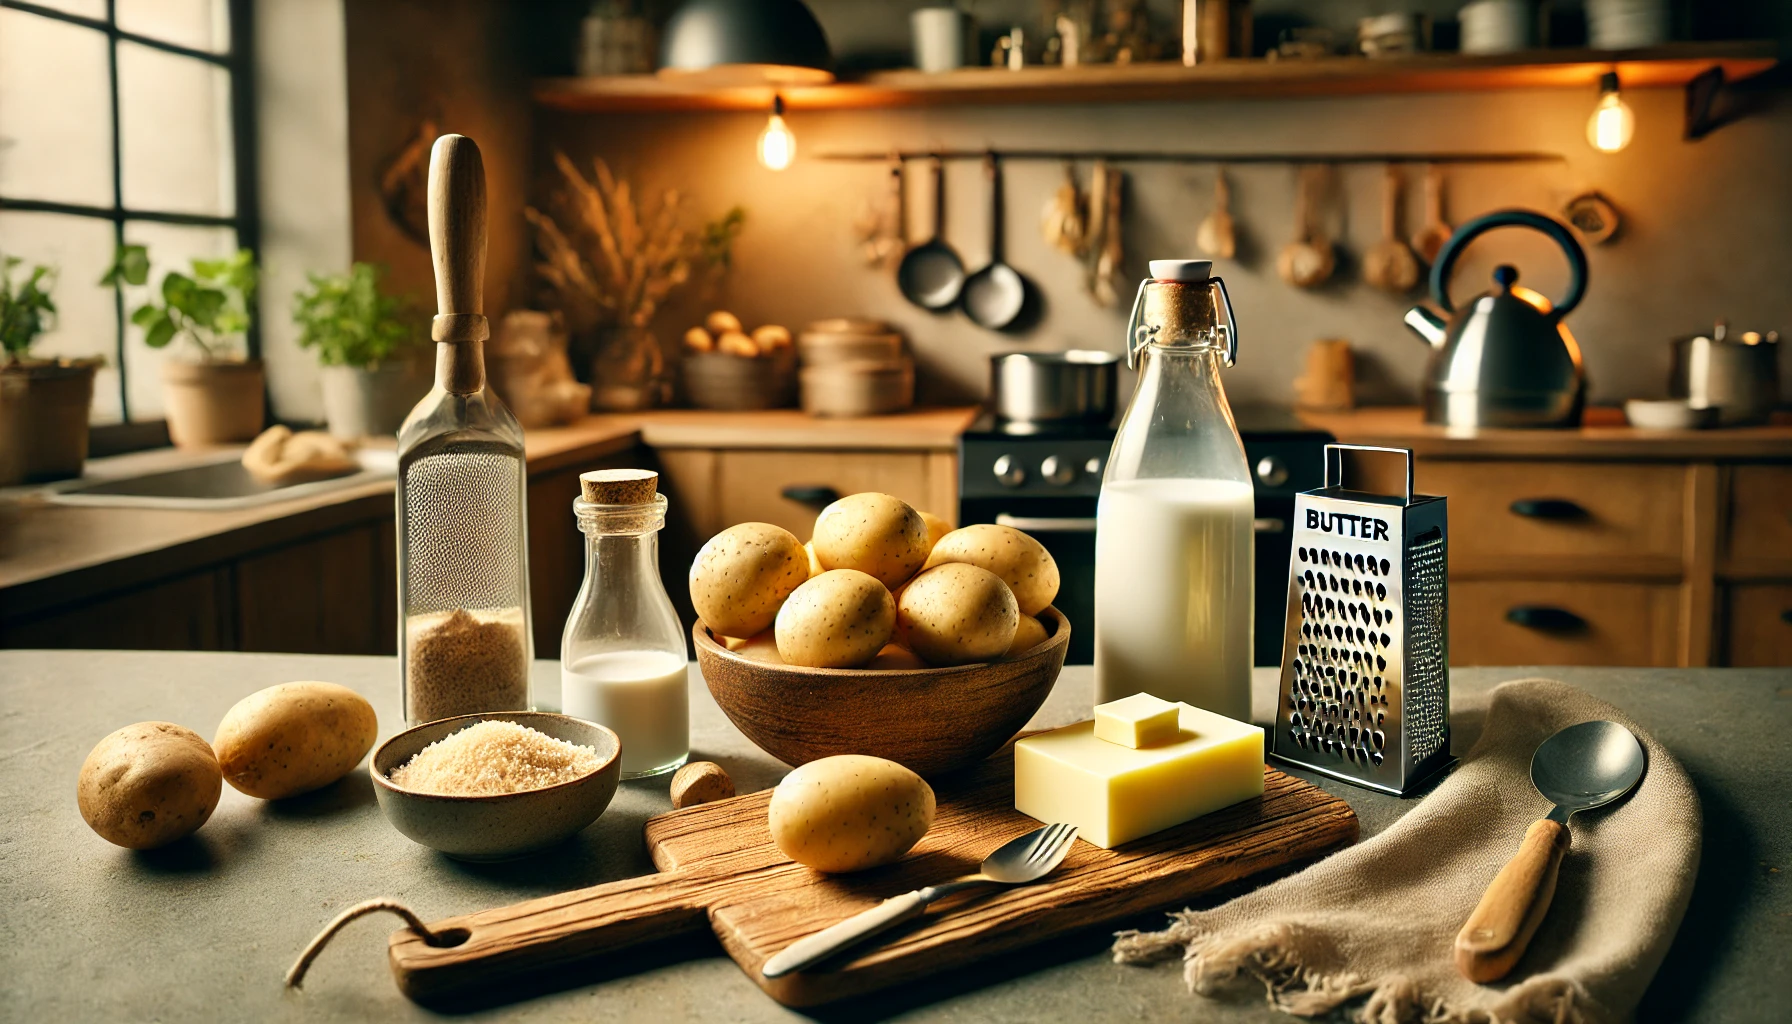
[(1018, 861)]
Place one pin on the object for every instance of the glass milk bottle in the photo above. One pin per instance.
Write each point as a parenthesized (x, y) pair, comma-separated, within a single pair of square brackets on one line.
[(463, 567), (622, 659), (1173, 540)]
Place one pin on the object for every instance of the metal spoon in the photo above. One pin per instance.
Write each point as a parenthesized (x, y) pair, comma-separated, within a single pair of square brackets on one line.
[(1026, 859), (1582, 767)]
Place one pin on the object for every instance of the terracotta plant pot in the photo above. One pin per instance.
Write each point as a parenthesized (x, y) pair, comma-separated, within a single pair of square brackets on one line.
[(213, 403), (373, 401), (43, 420)]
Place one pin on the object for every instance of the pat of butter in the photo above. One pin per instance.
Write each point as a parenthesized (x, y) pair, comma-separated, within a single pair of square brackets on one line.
[(1140, 720), (1115, 794)]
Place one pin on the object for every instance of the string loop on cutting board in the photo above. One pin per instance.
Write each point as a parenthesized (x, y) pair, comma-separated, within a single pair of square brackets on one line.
[(446, 937)]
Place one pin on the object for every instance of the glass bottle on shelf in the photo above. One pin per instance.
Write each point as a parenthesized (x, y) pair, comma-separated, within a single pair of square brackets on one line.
[(622, 659), (463, 574), (1173, 537)]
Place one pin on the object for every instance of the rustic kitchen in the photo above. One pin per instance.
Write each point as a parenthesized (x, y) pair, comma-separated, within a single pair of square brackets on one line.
[(895, 510)]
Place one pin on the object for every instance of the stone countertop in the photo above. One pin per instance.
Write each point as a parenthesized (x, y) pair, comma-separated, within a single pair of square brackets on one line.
[(204, 929)]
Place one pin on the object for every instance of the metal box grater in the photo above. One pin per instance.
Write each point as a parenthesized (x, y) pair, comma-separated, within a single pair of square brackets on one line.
[(1365, 690)]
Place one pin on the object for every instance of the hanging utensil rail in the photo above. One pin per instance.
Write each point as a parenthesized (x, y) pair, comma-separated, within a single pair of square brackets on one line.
[(1168, 156)]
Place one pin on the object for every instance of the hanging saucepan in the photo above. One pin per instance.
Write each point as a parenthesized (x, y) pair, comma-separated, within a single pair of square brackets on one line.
[(994, 296), (931, 275)]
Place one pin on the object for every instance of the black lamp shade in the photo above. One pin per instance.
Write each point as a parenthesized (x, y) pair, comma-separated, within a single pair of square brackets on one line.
[(765, 42)]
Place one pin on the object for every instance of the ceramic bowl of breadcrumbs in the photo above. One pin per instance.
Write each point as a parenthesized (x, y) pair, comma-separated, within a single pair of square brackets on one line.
[(496, 786)]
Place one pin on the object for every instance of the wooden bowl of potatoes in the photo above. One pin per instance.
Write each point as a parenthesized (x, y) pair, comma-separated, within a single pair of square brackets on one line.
[(888, 634)]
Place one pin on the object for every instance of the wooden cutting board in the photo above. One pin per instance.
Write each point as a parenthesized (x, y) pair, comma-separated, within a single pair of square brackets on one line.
[(720, 871)]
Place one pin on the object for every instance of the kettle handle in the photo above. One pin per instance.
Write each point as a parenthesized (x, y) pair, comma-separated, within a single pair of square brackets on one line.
[(1577, 257)]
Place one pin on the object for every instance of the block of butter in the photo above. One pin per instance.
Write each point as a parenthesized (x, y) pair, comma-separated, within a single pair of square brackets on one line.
[(1114, 793)]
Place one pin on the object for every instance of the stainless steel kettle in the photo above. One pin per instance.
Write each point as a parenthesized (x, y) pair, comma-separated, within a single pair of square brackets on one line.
[(1505, 359)]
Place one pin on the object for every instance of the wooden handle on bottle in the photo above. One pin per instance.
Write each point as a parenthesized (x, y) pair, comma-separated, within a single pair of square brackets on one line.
[(457, 238), (1496, 934)]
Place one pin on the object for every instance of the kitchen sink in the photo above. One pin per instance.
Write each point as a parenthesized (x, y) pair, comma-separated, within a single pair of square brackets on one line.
[(219, 481)]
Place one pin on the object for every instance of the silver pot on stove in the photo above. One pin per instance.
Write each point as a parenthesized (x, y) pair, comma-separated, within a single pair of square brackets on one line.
[(1053, 387)]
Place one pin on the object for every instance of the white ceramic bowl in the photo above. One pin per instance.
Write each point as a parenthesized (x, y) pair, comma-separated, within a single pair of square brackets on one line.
[(508, 825), (1667, 414)]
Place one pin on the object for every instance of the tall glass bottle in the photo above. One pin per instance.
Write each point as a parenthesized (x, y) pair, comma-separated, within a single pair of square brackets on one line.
[(1173, 540), (463, 574), (622, 658)]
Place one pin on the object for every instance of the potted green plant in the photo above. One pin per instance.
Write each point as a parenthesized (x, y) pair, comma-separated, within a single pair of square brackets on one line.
[(363, 338), (43, 402), (217, 398)]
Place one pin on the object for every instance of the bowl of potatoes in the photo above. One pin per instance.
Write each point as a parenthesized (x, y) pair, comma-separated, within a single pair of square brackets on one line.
[(889, 634)]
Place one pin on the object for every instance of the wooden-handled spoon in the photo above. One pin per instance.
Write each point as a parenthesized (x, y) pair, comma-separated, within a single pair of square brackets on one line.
[(1582, 767), (1389, 264)]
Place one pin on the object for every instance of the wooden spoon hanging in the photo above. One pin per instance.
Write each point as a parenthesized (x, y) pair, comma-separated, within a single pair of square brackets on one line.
[(1215, 237), (1309, 260), (1389, 264), (1429, 240)]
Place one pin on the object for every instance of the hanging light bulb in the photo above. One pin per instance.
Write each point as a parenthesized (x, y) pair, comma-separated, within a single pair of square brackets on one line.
[(1612, 123), (777, 147)]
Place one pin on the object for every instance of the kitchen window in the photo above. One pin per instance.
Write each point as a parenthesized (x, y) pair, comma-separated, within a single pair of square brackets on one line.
[(123, 120)]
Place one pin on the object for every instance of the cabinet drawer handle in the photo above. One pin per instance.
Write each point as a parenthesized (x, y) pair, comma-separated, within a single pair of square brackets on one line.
[(1548, 508), (1545, 617), (810, 494)]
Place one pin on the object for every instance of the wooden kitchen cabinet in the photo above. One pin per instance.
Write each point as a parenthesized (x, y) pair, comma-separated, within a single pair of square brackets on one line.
[(1563, 622), (335, 594), (183, 613), (1759, 617), (1605, 544)]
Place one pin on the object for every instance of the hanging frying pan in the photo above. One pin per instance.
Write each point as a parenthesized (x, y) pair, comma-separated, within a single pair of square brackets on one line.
[(995, 295), (931, 275)]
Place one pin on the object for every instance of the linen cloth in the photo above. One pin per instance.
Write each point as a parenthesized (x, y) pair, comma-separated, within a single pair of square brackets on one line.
[(1369, 932)]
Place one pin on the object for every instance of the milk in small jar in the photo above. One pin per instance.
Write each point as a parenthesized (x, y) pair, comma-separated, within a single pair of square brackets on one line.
[(1173, 537), (622, 658)]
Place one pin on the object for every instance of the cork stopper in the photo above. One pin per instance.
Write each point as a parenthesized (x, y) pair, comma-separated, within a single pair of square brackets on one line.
[(619, 486)]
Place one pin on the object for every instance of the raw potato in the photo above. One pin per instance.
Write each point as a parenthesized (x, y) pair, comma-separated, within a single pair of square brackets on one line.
[(936, 528), (872, 532), (743, 574), (294, 738), (955, 614), (759, 647), (815, 568), (1022, 562), (148, 784), (849, 812), (721, 322), (771, 337), (840, 619), (735, 343), (1028, 635), (699, 340), (896, 658)]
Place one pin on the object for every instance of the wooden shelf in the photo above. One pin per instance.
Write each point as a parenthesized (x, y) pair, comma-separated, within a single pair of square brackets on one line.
[(1671, 65)]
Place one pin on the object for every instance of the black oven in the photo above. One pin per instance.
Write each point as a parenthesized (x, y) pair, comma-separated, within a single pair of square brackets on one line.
[(1046, 479)]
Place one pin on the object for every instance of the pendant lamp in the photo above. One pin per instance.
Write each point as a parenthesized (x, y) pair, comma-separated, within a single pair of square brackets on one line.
[(746, 42)]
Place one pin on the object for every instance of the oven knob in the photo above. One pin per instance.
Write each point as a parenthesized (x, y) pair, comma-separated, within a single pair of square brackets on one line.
[(1061, 472), (1093, 466), (1009, 471), (1272, 471)]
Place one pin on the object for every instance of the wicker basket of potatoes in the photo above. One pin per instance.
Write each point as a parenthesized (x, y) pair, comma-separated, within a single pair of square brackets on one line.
[(889, 633), (726, 367)]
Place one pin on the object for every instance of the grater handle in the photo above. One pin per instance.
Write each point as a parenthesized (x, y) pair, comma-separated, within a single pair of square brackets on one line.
[(457, 238), (1334, 462), (1496, 934)]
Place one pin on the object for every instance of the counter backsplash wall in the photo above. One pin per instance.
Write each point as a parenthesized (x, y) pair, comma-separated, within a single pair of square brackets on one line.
[(1705, 232)]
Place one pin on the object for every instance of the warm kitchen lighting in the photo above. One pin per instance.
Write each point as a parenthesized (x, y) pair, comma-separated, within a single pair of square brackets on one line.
[(1612, 123), (777, 146)]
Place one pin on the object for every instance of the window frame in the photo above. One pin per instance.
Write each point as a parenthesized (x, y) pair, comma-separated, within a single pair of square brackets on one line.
[(237, 62)]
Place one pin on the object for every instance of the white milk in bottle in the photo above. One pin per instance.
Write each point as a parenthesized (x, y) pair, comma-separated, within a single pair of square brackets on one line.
[(1173, 539), (641, 696)]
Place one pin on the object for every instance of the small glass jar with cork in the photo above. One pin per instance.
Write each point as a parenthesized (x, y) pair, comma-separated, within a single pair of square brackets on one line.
[(622, 658)]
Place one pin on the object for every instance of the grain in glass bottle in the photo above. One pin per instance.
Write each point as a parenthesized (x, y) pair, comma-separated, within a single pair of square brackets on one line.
[(463, 575), (622, 658)]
